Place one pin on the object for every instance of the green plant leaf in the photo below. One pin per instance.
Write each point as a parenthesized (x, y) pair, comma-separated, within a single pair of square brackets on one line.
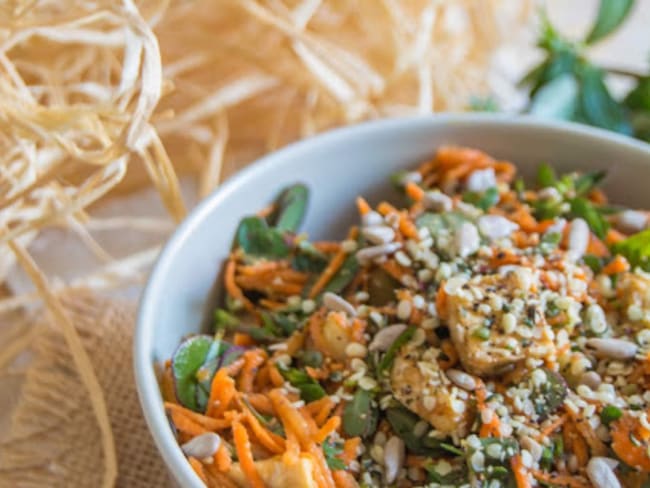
[(546, 175), (583, 208), (403, 422), (639, 97), (256, 238), (558, 99), (611, 15), (596, 105), (291, 208), (186, 361), (310, 389), (359, 415), (636, 249), (343, 276), (388, 358), (588, 181), (483, 200), (332, 451)]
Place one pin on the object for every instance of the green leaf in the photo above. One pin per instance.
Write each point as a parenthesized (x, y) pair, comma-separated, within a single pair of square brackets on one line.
[(636, 249), (596, 105), (558, 99), (308, 258), (256, 238), (310, 389), (387, 360), (359, 415), (593, 262), (639, 97), (291, 208), (343, 276), (610, 15), (583, 208), (332, 451), (186, 361), (588, 181), (403, 422), (546, 176), (483, 200)]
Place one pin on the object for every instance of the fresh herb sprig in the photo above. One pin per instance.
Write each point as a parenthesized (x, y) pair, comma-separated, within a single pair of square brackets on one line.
[(566, 85)]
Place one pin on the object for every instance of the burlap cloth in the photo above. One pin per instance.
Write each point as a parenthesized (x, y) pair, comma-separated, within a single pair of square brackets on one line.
[(53, 438)]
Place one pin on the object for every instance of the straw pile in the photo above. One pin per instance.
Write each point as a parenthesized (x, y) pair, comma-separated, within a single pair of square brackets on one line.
[(101, 97)]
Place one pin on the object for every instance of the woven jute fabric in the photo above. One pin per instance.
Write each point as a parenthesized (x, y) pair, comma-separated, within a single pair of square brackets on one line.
[(53, 438)]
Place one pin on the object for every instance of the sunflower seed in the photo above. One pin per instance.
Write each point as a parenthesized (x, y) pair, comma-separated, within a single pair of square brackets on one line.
[(202, 446), (379, 234), (371, 218), (367, 254), (612, 348), (385, 337), (631, 221), (481, 180), (438, 201), (461, 379), (578, 238), (394, 454), (600, 471), (496, 226), (466, 240), (338, 304), (591, 379)]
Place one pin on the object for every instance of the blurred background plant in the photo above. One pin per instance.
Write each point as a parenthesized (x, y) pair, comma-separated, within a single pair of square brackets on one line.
[(567, 85)]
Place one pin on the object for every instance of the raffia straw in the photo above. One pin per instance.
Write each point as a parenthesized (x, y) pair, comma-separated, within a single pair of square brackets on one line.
[(81, 361)]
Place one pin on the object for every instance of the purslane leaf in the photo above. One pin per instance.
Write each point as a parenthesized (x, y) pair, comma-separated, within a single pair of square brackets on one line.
[(611, 15)]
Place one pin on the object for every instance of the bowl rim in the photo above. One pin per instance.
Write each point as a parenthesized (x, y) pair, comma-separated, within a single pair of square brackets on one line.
[(145, 378)]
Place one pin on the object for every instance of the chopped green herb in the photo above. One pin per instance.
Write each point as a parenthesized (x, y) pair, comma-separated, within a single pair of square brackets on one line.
[(332, 450), (610, 413), (483, 200), (546, 176), (593, 262), (310, 389), (583, 208), (387, 360), (636, 249), (482, 333)]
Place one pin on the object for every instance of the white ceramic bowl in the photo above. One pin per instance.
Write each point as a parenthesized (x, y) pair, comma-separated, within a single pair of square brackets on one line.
[(338, 166)]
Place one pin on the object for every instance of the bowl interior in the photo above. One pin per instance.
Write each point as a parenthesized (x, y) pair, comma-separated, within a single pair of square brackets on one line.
[(337, 167)]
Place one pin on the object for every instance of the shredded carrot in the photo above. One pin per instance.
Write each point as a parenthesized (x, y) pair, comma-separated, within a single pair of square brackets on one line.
[(231, 286), (357, 330), (198, 468), (396, 270), (235, 367), (260, 402), (240, 339), (291, 418), (560, 480), (350, 449), (553, 426), (617, 265), (521, 476), (613, 236), (386, 208), (185, 424), (597, 247), (330, 426), (222, 391), (275, 376), (317, 405), (222, 458), (362, 206), (269, 440), (343, 479), (407, 227), (441, 301), (245, 455), (327, 246), (332, 267), (492, 428), (523, 217), (207, 423), (630, 453), (321, 417), (414, 191), (253, 359)]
